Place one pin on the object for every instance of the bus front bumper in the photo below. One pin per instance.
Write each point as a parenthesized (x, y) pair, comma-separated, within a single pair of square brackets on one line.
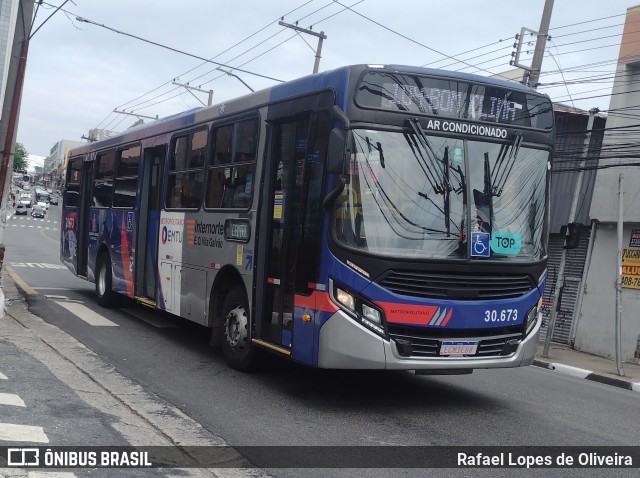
[(345, 344)]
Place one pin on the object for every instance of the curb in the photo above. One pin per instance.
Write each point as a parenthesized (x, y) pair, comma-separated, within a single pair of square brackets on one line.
[(588, 375)]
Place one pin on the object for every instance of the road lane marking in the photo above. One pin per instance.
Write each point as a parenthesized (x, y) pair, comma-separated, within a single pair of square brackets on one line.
[(11, 432), (86, 314), (56, 288), (44, 234), (18, 280), (11, 399), (50, 474), (41, 265), (3, 376)]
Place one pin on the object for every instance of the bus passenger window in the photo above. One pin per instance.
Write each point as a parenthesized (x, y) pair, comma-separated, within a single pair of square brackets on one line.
[(223, 145), (185, 180), (231, 177), (103, 181)]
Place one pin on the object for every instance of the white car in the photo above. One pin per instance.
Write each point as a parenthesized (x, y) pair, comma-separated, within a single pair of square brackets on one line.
[(26, 200), (44, 205)]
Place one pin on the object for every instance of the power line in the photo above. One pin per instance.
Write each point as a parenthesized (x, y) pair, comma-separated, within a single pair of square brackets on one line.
[(85, 20), (411, 39)]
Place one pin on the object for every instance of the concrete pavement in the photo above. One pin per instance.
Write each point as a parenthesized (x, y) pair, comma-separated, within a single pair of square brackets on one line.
[(563, 359)]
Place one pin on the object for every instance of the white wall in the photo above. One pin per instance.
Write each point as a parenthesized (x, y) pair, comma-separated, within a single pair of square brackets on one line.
[(604, 205), (595, 331)]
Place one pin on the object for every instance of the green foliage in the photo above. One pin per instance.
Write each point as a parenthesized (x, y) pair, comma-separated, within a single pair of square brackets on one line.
[(20, 158)]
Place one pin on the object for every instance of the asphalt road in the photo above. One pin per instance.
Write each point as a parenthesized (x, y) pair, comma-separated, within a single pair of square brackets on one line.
[(286, 404)]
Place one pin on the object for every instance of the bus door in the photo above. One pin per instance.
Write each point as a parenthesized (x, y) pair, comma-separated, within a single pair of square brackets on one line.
[(83, 218), (146, 259), (293, 215)]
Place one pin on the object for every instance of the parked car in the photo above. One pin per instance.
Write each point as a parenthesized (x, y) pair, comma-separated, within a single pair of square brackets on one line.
[(38, 211), (21, 209)]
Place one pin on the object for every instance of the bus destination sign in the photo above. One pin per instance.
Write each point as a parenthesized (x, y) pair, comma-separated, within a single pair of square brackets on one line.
[(453, 98)]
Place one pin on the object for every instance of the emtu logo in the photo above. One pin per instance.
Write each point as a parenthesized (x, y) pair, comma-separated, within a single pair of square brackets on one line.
[(440, 317), (164, 235)]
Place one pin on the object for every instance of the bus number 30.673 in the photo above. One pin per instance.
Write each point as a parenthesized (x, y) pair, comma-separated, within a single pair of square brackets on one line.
[(505, 315)]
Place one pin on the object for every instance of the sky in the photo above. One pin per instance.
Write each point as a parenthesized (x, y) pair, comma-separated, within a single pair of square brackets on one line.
[(78, 73)]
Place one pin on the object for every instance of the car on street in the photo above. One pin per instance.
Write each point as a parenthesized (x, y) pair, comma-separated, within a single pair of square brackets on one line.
[(25, 199), (43, 204), (37, 211), (21, 209), (53, 200)]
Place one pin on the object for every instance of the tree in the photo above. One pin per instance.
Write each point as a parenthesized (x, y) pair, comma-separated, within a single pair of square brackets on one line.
[(20, 158)]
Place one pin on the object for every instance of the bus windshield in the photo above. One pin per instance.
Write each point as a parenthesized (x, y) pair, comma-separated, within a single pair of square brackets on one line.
[(413, 195)]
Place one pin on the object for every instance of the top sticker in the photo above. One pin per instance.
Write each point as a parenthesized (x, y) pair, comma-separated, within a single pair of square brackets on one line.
[(506, 242)]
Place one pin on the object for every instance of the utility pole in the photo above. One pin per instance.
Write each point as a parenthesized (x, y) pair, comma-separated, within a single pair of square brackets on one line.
[(321, 36), (618, 326), (189, 88), (14, 93), (541, 43), (572, 218)]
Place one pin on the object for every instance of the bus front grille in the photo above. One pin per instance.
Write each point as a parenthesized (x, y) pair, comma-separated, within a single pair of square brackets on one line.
[(456, 285), (491, 343)]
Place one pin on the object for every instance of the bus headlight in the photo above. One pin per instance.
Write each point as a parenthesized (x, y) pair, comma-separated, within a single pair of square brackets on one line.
[(346, 299), (371, 314), (363, 311)]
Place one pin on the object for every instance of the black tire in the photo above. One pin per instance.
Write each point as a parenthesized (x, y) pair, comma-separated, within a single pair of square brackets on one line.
[(104, 291), (237, 349)]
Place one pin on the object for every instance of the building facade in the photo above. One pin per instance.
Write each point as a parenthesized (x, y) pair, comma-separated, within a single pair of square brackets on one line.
[(56, 162), (8, 16), (595, 328)]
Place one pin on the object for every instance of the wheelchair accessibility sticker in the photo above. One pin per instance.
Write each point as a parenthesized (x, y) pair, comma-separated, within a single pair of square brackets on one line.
[(480, 244)]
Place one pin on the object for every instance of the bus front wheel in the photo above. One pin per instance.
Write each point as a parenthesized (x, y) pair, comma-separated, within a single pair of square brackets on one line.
[(236, 342), (104, 291)]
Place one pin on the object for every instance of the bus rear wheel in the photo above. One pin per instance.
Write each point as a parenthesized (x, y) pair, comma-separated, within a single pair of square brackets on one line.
[(236, 342), (104, 278)]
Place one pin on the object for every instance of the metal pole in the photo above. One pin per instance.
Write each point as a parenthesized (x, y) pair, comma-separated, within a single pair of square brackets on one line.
[(572, 216), (618, 325), (583, 284), (541, 43), (321, 36), (316, 65)]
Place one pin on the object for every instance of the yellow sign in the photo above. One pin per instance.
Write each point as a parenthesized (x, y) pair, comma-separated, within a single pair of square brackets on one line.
[(239, 251), (631, 268)]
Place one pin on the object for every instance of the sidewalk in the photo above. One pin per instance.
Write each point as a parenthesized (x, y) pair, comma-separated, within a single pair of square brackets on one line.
[(563, 359)]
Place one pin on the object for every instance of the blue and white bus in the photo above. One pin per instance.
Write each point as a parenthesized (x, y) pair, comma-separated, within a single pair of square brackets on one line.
[(369, 217)]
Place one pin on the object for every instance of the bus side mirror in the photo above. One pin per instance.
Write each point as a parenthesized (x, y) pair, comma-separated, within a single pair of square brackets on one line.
[(338, 142)]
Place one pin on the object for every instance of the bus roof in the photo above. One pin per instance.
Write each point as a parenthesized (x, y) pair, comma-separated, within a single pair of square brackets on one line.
[(327, 79)]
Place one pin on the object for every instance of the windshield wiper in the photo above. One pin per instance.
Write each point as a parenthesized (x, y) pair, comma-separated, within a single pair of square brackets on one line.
[(436, 171), (503, 165), (496, 179)]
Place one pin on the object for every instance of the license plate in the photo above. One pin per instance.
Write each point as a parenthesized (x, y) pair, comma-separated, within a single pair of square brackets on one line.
[(458, 348)]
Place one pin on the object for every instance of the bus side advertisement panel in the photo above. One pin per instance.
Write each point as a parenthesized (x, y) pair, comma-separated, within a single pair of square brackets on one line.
[(118, 233), (68, 243), (171, 245)]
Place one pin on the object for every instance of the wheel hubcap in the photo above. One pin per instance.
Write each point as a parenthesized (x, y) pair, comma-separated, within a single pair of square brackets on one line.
[(235, 326)]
